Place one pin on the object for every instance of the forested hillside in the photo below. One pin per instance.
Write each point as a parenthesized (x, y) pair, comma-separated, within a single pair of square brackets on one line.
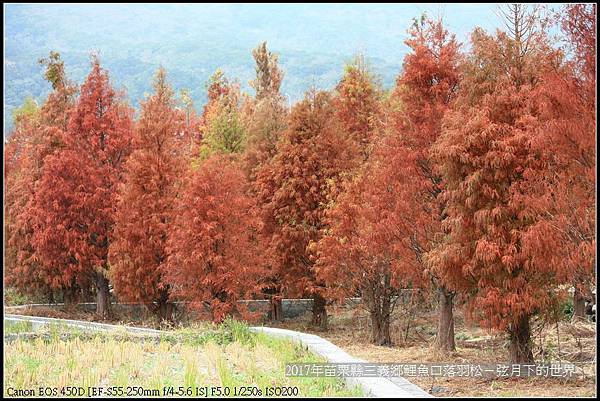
[(191, 41)]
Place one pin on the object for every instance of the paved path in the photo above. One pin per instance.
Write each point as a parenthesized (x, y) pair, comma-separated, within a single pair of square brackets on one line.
[(396, 387)]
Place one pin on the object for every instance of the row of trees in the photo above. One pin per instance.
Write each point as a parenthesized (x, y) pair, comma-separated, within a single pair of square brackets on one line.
[(473, 179)]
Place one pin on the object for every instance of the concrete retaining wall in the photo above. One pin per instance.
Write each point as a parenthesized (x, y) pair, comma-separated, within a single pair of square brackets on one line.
[(38, 322), (292, 308)]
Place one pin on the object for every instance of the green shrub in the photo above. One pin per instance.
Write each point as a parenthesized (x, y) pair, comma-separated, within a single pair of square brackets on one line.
[(238, 331), (12, 297), (567, 308)]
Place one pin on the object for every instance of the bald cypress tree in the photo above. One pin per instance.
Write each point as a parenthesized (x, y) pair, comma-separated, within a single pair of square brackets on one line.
[(146, 198)]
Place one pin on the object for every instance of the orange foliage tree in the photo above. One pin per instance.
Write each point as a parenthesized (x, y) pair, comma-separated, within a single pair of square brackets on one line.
[(19, 177), (343, 262), (38, 133), (294, 188), (367, 247), (147, 195), (566, 136), (265, 118), (214, 246), (425, 91), (487, 163), (76, 197)]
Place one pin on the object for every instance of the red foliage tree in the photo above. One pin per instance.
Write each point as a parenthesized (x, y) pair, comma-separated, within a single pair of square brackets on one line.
[(485, 157), (265, 118), (18, 184), (294, 188), (426, 90), (566, 197), (343, 263), (36, 136), (146, 199), (213, 246), (368, 247), (578, 21), (76, 196)]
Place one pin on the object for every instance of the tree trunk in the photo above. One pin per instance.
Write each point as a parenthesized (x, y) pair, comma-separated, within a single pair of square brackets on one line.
[(102, 296), (86, 294), (276, 309), (70, 297), (165, 311), (445, 335), (319, 311), (578, 305), (165, 308), (380, 320), (520, 342), (50, 297)]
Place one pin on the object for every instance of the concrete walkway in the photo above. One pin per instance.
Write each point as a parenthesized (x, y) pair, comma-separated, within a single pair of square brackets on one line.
[(396, 387), (389, 387)]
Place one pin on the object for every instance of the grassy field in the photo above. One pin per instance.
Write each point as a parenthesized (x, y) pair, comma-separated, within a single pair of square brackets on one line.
[(206, 357), (413, 336), (12, 327)]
